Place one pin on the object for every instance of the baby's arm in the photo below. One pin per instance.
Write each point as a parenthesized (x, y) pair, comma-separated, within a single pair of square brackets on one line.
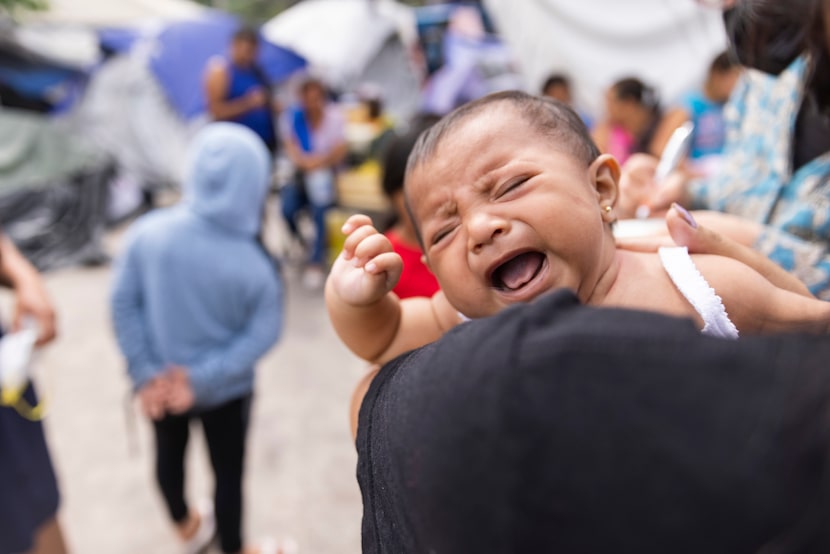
[(757, 306), (371, 320)]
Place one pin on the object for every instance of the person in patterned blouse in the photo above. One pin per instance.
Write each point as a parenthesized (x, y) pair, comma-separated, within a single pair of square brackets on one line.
[(773, 192)]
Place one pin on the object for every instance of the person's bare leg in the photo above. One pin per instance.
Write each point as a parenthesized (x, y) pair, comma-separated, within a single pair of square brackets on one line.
[(49, 539)]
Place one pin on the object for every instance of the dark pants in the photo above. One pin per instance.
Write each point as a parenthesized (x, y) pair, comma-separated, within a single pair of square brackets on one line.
[(225, 429), (28, 489), (294, 200)]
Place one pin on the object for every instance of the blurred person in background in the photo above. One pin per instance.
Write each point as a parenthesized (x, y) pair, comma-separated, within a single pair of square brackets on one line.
[(380, 122), (632, 115), (370, 129), (772, 190), (558, 87), (704, 109), (416, 278), (196, 302), (28, 489), (314, 139), (237, 89)]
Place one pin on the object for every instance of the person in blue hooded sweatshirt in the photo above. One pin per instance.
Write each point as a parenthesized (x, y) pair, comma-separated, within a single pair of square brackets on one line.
[(196, 302)]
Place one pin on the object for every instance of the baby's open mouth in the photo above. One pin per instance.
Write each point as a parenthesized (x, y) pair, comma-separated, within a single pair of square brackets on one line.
[(518, 271)]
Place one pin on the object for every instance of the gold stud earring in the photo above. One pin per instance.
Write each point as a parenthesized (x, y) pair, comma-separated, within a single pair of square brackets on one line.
[(607, 209)]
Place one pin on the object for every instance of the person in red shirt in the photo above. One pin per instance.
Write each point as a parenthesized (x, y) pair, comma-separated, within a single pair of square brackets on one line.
[(416, 279)]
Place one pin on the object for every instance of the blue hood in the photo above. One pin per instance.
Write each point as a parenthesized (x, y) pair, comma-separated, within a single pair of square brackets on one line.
[(227, 177)]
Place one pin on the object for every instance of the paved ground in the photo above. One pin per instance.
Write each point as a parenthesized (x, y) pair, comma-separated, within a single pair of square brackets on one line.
[(301, 462)]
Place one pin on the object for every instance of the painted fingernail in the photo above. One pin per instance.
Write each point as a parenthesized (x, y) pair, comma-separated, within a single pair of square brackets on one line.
[(686, 215)]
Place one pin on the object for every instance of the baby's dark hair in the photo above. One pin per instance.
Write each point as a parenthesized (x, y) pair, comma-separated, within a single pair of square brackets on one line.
[(550, 117)]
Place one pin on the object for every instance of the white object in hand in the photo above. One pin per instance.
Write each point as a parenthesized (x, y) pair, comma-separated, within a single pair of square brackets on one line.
[(675, 151), (15, 356)]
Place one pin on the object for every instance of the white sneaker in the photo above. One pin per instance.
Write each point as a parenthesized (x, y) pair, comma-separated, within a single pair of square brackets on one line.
[(206, 531), (313, 278)]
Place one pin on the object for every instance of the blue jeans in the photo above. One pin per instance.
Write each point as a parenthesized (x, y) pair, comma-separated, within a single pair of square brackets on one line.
[(294, 200)]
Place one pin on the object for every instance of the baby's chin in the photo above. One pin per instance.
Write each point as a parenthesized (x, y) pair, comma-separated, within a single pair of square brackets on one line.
[(482, 308)]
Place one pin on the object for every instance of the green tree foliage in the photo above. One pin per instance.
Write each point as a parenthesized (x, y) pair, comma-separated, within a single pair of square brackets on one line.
[(14, 6)]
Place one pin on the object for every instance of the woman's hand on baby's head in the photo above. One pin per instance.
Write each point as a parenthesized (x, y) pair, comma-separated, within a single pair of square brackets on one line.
[(368, 267)]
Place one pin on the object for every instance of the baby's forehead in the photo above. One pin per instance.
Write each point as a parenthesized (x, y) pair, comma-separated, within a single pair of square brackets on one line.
[(464, 136), (420, 188)]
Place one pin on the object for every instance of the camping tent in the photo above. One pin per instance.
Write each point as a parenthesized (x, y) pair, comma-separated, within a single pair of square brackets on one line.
[(69, 30), (355, 42), (161, 76), (466, 61), (53, 190), (136, 116), (33, 81), (665, 42)]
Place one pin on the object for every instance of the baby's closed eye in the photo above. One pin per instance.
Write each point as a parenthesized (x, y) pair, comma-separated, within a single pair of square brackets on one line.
[(440, 235), (511, 185)]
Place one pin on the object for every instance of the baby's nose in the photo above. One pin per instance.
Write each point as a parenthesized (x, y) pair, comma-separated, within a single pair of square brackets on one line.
[(484, 228)]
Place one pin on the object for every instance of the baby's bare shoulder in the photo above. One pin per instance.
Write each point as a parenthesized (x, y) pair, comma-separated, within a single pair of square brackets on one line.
[(645, 285)]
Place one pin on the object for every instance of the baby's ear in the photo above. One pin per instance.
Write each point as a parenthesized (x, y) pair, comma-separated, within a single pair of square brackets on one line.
[(604, 173)]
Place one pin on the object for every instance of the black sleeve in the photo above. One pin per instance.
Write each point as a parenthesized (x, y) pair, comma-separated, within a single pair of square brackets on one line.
[(561, 428)]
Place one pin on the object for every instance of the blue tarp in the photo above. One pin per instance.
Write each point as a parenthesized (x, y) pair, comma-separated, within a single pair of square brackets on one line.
[(183, 49), (118, 41), (35, 77)]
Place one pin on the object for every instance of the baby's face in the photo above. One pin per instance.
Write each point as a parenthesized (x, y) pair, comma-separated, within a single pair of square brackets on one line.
[(506, 216)]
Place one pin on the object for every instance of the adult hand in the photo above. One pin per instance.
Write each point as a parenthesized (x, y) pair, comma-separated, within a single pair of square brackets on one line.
[(256, 98), (310, 162), (153, 398), (32, 301), (683, 229), (180, 396), (636, 184)]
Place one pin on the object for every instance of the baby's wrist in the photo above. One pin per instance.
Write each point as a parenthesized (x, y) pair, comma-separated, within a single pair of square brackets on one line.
[(369, 303)]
